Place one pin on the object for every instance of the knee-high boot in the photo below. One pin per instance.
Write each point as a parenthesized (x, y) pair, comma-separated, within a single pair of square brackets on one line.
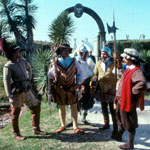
[(131, 135), (120, 133), (35, 110), (105, 116), (114, 120), (15, 123)]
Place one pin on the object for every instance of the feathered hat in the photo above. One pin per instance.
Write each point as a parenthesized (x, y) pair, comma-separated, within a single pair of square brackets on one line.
[(7, 49)]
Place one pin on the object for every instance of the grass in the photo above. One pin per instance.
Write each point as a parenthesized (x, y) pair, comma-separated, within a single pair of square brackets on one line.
[(92, 139), (3, 59)]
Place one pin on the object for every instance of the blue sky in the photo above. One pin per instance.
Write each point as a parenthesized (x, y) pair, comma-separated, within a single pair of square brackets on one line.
[(131, 16)]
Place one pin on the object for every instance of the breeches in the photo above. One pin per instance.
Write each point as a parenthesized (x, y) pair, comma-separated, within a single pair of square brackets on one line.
[(129, 119), (27, 98), (63, 97)]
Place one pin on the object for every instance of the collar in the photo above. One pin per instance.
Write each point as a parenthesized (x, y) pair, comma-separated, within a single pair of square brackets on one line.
[(130, 67)]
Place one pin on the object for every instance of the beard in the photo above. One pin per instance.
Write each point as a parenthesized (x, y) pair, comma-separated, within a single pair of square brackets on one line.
[(104, 60)]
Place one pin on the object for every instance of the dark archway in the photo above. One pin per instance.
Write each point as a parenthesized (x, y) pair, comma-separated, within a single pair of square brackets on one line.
[(78, 10)]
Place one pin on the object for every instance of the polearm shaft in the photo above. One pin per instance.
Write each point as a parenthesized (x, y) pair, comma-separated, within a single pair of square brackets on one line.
[(115, 56)]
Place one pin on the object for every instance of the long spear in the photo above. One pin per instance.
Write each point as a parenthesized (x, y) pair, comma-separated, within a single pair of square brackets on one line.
[(113, 30), (53, 48)]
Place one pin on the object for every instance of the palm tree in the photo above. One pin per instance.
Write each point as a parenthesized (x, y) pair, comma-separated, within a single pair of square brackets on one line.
[(20, 19), (61, 29), (26, 21), (4, 30), (7, 12)]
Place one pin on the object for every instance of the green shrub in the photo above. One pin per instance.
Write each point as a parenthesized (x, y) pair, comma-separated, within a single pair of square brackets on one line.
[(145, 55), (40, 64), (119, 47), (137, 45)]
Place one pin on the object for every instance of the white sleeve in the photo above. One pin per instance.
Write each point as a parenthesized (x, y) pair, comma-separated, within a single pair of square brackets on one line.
[(90, 63), (78, 74), (119, 71)]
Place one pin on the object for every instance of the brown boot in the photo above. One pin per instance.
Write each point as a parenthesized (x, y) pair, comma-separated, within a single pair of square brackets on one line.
[(104, 127), (15, 127), (105, 116), (36, 120), (120, 133)]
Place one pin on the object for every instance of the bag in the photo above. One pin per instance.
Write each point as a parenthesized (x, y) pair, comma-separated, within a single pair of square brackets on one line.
[(145, 67), (88, 104), (95, 89)]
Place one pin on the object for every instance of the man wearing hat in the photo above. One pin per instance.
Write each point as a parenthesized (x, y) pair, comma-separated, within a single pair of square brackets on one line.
[(17, 75), (103, 71), (65, 75), (130, 93)]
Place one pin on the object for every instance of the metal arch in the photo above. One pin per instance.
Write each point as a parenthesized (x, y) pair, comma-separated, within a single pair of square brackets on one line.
[(94, 16)]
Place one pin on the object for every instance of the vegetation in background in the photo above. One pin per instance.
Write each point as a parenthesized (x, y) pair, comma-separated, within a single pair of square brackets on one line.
[(20, 18), (145, 55), (40, 64), (61, 29), (137, 45), (119, 47), (4, 30)]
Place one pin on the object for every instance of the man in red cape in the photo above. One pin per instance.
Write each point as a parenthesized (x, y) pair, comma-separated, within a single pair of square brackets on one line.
[(129, 95)]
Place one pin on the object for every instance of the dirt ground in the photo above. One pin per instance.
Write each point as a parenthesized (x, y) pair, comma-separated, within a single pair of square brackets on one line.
[(142, 139)]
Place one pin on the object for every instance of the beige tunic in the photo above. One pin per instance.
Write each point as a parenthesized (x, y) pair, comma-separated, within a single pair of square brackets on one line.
[(18, 72), (106, 81)]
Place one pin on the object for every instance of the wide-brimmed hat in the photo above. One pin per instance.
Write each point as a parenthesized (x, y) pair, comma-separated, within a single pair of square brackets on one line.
[(63, 47), (107, 50), (130, 53), (14, 48)]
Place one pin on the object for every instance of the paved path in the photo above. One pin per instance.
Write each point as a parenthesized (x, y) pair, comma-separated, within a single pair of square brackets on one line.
[(142, 139)]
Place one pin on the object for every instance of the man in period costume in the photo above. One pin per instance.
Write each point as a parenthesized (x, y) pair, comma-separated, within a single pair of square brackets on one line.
[(17, 75), (86, 100), (65, 80), (87, 65), (130, 93), (91, 56), (104, 72)]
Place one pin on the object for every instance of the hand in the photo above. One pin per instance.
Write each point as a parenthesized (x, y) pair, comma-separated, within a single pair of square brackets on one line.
[(118, 63), (11, 100), (115, 106), (115, 55), (55, 76), (77, 86)]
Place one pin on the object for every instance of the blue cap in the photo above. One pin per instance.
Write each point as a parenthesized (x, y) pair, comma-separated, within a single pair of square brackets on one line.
[(107, 50)]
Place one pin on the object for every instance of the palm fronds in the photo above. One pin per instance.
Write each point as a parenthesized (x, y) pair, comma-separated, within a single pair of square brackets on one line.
[(145, 55), (61, 28), (40, 64)]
